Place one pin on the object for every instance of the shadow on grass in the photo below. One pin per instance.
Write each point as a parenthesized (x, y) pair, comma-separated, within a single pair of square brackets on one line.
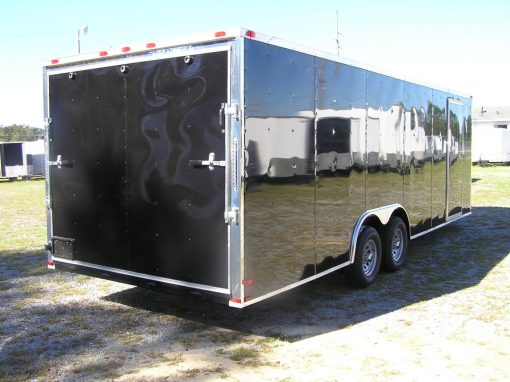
[(22, 264), (32, 331), (453, 258)]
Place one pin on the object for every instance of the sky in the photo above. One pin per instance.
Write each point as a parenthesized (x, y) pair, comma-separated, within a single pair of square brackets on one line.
[(459, 45)]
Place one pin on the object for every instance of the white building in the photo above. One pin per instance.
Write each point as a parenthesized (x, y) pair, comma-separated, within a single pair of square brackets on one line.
[(491, 134)]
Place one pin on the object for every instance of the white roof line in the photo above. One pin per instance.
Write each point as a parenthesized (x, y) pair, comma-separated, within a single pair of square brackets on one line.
[(229, 34), (348, 61), (145, 48)]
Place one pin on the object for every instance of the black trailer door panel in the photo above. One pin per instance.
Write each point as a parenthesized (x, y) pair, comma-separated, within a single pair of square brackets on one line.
[(87, 184), (129, 197), (176, 210)]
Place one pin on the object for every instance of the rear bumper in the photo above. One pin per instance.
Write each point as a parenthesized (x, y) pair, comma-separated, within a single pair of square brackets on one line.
[(139, 279)]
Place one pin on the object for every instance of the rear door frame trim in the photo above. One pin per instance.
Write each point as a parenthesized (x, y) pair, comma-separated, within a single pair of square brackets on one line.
[(165, 53)]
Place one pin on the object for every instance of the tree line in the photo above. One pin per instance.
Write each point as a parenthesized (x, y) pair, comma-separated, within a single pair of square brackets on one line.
[(19, 133)]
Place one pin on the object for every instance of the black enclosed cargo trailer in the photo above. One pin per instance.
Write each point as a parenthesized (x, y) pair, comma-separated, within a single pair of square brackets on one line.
[(240, 165)]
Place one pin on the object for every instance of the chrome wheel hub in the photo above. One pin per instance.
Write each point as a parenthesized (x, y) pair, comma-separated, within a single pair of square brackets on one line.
[(369, 258), (396, 245)]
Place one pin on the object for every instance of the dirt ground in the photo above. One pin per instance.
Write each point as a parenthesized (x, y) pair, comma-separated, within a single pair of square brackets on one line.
[(443, 317)]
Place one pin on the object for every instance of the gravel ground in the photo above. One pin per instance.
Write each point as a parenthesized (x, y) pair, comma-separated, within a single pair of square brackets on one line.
[(444, 316)]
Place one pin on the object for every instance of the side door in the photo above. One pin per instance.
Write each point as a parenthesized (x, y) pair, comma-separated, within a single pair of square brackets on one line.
[(454, 170)]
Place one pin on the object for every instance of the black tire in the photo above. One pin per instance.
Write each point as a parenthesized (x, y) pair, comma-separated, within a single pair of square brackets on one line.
[(394, 244), (367, 258)]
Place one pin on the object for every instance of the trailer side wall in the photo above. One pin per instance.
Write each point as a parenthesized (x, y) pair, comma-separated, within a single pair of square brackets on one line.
[(280, 186), (327, 141)]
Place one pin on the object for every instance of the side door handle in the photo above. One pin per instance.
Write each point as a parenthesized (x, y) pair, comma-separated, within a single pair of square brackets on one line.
[(211, 163), (61, 162)]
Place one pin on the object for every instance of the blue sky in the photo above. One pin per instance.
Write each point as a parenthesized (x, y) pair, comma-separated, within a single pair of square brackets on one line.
[(461, 45)]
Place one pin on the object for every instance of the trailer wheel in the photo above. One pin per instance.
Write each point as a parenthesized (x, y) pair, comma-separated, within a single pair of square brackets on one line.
[(367, 259), (394, 243)]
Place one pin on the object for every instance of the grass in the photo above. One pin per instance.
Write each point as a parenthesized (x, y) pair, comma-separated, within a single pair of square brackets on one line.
[(224, 337), (243, 353), (132, 339), (491, 186), (23, 216), (47, 315), (103, 366), (195, 372)]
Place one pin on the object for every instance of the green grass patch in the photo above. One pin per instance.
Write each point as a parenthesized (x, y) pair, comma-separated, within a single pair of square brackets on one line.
[(243, 353), (23, 223), (102, 367), (490, 186), (131, 339)]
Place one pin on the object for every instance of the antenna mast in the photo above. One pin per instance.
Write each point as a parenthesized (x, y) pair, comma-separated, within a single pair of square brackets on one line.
[(337, 36)]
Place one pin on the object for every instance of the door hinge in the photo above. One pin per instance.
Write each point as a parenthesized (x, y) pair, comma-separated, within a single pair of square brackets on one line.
[(232, 216), (231, 110)]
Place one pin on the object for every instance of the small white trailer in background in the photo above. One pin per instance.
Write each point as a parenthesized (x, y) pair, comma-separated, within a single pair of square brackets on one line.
[(22, 159), (491, 134)]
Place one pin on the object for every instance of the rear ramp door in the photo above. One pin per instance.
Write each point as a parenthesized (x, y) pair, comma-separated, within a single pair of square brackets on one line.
[(125, 187)]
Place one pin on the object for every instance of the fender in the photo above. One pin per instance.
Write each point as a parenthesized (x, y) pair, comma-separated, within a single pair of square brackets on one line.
[(383, 214)]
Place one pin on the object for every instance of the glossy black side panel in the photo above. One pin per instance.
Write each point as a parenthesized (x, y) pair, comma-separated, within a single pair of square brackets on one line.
[(385, 132), (340, 185), (87, 129), (279, 194), (440, 137), (175, 211), (418, 151)]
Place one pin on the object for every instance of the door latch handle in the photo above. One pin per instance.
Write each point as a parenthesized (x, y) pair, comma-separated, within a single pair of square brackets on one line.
[(61, 162), (211, 163)]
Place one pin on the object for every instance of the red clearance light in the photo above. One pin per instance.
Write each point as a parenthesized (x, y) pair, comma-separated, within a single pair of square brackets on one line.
[(50, 264), (103, 53), (220, 34), (236, 300), (248, 282), (150, 45), (250, 34), (54, 61), (126, 49), (247, 298)]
